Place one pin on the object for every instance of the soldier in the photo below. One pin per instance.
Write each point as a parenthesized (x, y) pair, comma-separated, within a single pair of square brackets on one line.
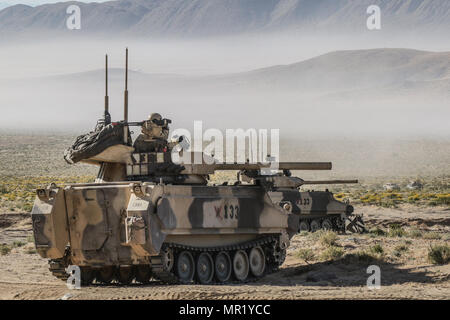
[(155, 132)]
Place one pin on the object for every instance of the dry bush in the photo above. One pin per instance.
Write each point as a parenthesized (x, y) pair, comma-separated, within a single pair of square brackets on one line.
[(377, 249), (332, 253), (395, 230), (400, 249), (377, 231), (18, 244), (30, 238), (30, 250), (305, 254), (328, 238), (4, 249), (432, 236), (415, 233), (361, 257), (315, 236), (439, 254)]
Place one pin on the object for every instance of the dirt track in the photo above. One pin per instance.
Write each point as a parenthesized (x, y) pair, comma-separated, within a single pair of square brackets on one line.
[(25, 276)]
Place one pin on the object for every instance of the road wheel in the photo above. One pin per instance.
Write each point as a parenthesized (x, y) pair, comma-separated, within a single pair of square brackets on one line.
[(327, 224), (240, 265), (125, 274), (168, 259), (257, 261), (315, 225), (185, 267), (143, 273), (106, 274), (223, 266), (304, 226), (205, 268)]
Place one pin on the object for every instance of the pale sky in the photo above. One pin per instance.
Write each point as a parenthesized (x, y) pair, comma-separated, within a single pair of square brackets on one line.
[(4, 3)]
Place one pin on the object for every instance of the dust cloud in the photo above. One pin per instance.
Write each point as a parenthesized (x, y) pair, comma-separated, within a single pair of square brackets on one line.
[(299, 84)]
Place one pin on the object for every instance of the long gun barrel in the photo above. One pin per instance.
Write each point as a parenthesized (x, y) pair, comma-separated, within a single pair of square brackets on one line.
[(330, 181), (281, 166), (293, 182), (211, 168)]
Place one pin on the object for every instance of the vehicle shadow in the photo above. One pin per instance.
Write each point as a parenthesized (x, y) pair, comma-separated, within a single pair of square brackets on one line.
[(349, 272)]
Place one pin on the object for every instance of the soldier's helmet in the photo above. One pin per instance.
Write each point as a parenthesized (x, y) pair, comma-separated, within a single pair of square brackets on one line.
[(155, 117), (156, 127)]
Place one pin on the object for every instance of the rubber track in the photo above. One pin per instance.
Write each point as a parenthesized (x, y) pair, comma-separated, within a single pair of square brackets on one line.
[(58, 269), (168, 277), (57, 266)]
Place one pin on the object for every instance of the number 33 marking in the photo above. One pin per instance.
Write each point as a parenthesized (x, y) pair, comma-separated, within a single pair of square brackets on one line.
[(231, 212)]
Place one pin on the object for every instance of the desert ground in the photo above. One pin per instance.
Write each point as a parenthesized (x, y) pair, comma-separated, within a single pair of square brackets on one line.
[(406, 272), (403, 227), (371, 101)]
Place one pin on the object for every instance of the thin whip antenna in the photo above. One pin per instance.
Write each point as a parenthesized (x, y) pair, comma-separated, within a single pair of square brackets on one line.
[(107, 115), (125, 109)]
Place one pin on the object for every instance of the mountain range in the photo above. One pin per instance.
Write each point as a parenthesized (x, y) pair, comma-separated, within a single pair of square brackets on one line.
[(331, 73), (342, 91), (223, 17)]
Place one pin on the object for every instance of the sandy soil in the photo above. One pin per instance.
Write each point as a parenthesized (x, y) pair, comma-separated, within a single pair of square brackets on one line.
[(24, 275)]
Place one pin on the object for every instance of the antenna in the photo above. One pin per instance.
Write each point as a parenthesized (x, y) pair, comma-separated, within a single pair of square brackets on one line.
[(107, 115), (125, 109)]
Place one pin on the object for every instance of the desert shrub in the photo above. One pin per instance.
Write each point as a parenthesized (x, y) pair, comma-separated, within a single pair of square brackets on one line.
[(332, 253), (432, 236), (328, 238), (415, 233), (392, 195), (395, 230), (413, 197), (443, 199), (18, 244), (3, 189), (27, 207), (388, 204), (338, 194), (377, 231), (18, 193), (377, 249), (399, 249), (30, 250), (305, 254), (437, 195), (361, 256), (4, 249), (315, 236), (439, 254), (371, 198)]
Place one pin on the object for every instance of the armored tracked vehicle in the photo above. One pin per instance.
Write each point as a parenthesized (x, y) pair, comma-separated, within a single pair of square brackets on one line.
[(147, 216)]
